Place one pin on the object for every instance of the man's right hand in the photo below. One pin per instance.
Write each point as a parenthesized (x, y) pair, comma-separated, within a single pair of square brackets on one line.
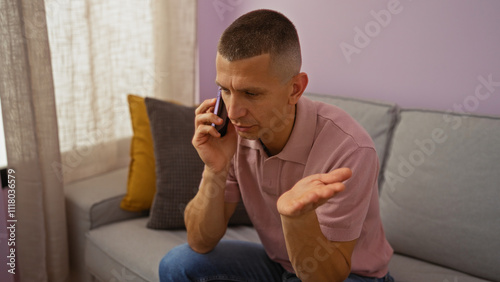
[(215, 151), (207, 214)]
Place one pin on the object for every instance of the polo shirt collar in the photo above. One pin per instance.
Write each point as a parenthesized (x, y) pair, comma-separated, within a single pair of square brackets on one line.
[(301, 140)]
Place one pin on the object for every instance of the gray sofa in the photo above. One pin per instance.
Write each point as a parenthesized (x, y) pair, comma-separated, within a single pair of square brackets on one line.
[(439, 194)]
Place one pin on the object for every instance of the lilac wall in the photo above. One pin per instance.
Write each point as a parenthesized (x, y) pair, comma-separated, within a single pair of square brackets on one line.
[(419, 54)]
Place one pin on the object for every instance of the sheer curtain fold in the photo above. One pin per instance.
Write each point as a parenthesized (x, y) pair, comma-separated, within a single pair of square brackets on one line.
[(175, 50), (31, 132)]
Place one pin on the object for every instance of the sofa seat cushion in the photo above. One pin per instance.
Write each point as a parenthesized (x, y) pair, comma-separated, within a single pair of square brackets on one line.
[(404, 268), (439, 199), (128, 251), (90, 203)]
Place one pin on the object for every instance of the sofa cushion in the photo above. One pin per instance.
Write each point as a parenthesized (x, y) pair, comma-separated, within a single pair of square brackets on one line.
[(127, 251), (439, 200), (178, 166), (377, 118), (404, 268), (141, 184)]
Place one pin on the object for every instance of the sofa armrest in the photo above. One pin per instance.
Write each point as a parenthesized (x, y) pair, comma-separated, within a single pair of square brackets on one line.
[(91, 203), (96, 201)]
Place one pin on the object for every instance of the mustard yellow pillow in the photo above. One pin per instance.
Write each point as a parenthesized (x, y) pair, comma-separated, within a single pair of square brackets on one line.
[(141, 186)]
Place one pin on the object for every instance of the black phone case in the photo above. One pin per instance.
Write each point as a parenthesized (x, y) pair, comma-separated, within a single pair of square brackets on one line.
[(220, 111)]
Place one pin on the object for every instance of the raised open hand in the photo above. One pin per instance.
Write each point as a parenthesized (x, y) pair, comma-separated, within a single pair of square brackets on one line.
[(312, 191)]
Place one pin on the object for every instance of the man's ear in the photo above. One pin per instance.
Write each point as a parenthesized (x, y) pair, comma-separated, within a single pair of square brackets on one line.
[(299, 84)]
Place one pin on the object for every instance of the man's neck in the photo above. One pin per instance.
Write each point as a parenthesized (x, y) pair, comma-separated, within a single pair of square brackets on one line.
[(276, 146)]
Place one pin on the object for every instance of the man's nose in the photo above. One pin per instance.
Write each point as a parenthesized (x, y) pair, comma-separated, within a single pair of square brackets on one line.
[(235, 108)]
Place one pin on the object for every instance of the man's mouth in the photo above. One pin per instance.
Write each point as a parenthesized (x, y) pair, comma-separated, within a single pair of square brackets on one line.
[(243, 128)]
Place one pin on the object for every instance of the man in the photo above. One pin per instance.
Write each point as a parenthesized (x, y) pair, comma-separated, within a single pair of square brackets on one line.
[(306, 172)]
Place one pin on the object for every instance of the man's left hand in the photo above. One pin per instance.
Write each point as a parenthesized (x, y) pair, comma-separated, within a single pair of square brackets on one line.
[(312, 191)]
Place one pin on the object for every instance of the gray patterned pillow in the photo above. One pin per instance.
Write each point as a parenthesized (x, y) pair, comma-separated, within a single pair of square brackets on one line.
[(178, 166)]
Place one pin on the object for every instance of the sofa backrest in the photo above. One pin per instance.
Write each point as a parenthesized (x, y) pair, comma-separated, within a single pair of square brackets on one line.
[(377, 118), (439, 199)]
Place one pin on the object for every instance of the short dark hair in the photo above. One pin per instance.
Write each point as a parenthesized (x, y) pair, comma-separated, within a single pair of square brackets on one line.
[(263, 32)]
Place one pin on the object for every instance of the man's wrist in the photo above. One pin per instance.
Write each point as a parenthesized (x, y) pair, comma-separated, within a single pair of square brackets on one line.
[(216, 177), (301, 220)]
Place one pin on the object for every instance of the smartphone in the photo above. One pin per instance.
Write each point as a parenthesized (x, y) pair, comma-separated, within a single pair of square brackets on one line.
[(220, 111)]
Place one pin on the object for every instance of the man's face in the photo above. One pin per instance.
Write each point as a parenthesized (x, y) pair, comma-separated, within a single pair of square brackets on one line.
[(257, 100)]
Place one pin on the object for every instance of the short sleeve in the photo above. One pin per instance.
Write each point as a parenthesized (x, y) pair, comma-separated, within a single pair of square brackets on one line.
[(343, 216)]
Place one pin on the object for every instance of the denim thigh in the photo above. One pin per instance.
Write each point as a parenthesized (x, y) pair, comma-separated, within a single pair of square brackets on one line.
[(228, 261)]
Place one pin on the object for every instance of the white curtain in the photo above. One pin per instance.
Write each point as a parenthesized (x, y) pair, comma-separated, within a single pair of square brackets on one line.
[(66, 67), (104, 50), (175, 50), (101, 51), (31, 135)]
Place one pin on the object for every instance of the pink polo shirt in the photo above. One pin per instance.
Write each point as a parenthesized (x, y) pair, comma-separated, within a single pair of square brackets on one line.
[(324, 138)]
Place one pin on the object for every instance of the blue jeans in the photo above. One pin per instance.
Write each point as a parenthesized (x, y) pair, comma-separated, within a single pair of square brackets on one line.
[(228, 261)]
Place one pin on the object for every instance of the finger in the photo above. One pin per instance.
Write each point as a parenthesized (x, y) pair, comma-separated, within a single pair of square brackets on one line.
[(320, 195), (310, 202), (206, 119), (205, 106), (325, 192), (334, 188), (209, 130), (336, 175), (313, 197)]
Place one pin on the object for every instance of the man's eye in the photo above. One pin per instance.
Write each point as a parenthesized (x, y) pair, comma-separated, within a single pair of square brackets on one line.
[(250, 94)]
